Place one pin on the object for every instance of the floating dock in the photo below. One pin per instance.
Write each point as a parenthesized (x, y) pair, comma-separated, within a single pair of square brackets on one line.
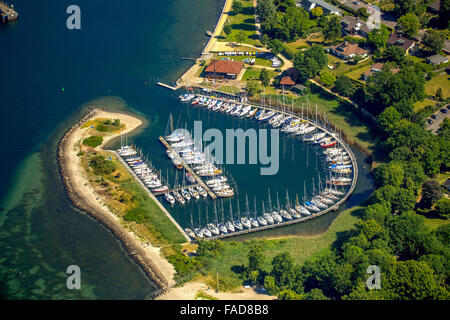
[(188, 169), (7, 13)]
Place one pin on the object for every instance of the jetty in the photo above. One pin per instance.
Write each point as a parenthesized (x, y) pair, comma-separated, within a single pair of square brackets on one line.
[(188, 168), (7, 13), (150, 194), (168, 86)]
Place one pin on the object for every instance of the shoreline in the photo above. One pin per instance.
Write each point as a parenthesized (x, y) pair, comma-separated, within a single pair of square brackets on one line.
[(83, 197)]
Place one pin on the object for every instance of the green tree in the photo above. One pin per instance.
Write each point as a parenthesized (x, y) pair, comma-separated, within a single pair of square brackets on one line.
[(315, 294), (379, 212), (442, 208), (266, 10), (227, 29), (237, 7), (395, 54), (253, 87), (362, 13), (309, 62), (332, 31), (431, 193), (283, 269), (264, 77), (288, 294), (403, 7), (317, 12), (269, 284), (276, 46), (93, 141), (241, 37), (389, 174), (327, 79), (378, 37), (344, 86), (434, 40), (412, 280), (388, 118), (409, 24), (439, 94), (255, 258)]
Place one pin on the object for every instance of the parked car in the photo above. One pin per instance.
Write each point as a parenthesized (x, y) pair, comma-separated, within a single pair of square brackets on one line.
[(434, 116), (430, 121), (443, 110)]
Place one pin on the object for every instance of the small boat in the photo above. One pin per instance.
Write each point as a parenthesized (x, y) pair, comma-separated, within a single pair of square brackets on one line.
[(214, 230), (261, 221), (277, 217), (169, 198), (206, 232), (302, 210), (294, 213), (202, 191), (252, 113), (238, 225), (246, 222), (186, 194), (268, 217), (229, 226), (254, 222), (285, 215), (311, 207), (222, 228), (178, 197), (198, 232), (161, 189), (190, 233), (194, 193)]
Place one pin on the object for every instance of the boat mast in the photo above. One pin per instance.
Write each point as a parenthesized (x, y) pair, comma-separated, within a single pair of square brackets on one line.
[(231, 211), (269, 203)]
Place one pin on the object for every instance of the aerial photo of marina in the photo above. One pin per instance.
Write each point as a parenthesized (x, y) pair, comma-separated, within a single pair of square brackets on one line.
[(225, 150)]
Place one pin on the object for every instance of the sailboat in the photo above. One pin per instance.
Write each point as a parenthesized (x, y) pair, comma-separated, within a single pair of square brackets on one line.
[(229, 224), (275, 214), (244, 220), (237, 224), (261, 219), (189, 231), (267, 216), (211, 227), (221, 224)]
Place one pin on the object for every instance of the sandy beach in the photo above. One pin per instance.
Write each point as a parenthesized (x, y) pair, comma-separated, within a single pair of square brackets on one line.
[(148, 256), (190, 290)]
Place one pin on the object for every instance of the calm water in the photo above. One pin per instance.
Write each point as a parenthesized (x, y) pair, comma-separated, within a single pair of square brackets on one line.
[(48, 72)]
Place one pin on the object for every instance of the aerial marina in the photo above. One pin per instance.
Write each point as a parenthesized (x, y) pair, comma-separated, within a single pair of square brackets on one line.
[(203, 179)]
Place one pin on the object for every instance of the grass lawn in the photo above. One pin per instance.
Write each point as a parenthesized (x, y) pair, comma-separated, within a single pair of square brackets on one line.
[(242, 23), (352, 71), (258, 61), (419, 105), (299, 44), (230, 89), (435, 223), (442, 177), (253, 74), (300, 248), (441, 80)]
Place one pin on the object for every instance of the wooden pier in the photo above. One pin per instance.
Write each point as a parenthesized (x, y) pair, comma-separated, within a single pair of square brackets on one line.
[(188, 169), (167, 86), (312, 216), (7, 13), (151, 195)]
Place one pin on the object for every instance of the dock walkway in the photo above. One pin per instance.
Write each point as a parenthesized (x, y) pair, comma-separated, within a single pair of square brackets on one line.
[(188, 169)]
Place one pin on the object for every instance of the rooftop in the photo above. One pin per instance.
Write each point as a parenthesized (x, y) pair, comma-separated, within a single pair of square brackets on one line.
[(287, 81), (310, 4), (437, 59), (225, 66), (348, 49), (400, 41)]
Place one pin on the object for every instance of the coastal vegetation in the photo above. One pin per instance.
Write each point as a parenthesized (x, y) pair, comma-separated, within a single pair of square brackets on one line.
[(93, 141), (119, 190)]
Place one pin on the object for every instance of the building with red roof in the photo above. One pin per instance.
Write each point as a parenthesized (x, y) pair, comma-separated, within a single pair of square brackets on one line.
[(224, 69)]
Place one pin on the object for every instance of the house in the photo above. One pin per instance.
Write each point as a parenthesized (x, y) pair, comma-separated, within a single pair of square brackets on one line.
[(436, 59), (224, 69), (399, 40), (348, 50), (353, 26), (286, 82), (311, 4), (377, 67)]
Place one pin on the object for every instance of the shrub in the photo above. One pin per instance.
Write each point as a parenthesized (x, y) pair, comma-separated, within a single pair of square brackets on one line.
[(93, 141)]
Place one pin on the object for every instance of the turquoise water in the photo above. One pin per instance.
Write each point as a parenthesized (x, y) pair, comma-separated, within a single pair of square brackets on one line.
[(48, 73)]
